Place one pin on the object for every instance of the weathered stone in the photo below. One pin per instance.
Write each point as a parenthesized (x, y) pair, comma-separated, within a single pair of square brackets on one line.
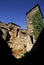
[(29, 16), (20, 40)]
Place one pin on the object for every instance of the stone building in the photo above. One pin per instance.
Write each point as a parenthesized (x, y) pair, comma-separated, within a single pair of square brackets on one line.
[(20, 40), (4, 29), (29, 16), (13, 30)]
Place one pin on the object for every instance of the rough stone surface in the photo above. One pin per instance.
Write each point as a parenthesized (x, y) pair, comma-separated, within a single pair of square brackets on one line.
[(19, 39)]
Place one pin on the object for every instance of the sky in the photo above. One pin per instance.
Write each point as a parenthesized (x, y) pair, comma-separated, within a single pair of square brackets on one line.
[(15, 10)]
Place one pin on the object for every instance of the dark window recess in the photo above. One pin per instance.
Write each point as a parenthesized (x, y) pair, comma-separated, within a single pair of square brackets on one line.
[(17, 32), (31, 39), (25, 46), (11, 29), (8, 37), (23, 33)]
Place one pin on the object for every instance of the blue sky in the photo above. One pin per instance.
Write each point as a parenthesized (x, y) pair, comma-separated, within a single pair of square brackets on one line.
[(15, 10)]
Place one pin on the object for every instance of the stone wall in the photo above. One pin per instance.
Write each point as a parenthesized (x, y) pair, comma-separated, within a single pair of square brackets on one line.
[(20, 40), (29, 16)]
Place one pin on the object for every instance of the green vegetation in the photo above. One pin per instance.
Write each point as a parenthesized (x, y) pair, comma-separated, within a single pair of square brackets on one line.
[(38, 24)]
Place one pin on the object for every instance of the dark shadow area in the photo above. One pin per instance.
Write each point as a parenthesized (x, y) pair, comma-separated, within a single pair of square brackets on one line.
[(5, 52), (38, 49), (11, 28), (31, 39), (8, 37), (17, 32), (35, 56)]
